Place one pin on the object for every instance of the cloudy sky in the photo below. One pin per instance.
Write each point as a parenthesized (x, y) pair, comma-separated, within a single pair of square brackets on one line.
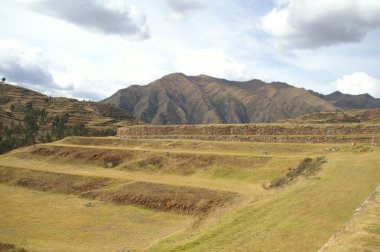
[(88, 49)]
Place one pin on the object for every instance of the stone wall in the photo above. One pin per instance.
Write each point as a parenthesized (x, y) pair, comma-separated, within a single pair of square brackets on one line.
[(376, 140), (259, 133)]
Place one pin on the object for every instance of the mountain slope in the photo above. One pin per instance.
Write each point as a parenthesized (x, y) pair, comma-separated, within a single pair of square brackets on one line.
[(180, 99), (348, 116), (14, 101), (347, 101)]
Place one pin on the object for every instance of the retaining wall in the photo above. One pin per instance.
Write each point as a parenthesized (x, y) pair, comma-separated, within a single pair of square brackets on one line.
[(259, 133)]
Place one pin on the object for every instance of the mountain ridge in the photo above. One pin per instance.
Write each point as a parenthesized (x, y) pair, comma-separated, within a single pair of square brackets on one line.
[(349, 102), (180, 99)]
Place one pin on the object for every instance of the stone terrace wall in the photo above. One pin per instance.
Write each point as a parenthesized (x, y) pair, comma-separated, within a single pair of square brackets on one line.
[(259, 133), (140, 130), (376, 140)]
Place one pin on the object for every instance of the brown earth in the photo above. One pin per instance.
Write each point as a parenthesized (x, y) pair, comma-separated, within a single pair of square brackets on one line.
[(181, 199), (51, 182), (162, 197), (99, 157), (7, 247), (139, 160)]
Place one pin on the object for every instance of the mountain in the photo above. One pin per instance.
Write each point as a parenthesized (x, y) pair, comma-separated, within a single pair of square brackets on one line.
[(28, 117), (348, 116), (14, 101), (347, 101), (180, 99)]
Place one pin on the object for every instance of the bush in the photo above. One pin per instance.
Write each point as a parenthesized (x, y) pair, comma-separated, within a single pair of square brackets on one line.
[(308, 167), (279, 181)]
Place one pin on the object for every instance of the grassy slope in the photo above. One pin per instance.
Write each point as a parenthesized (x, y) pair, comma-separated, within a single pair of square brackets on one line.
[(363, 232), (249, 162), (57, 222), (300, 217)]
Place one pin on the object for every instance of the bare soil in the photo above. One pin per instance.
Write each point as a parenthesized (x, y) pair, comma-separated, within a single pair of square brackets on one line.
[(181, 199), (7, 247), (188, 200), (50, 181), (136, 160)]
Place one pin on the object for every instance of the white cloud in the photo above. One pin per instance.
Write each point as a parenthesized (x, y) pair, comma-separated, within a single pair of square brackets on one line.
[(26, 65), (211, 62), (185, 5), (104, 16), (216, 38), (358, 83), (180, 8), (312, 24)]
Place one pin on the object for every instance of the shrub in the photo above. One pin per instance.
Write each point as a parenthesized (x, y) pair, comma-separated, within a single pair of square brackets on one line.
[(308, 167), (279, 181)]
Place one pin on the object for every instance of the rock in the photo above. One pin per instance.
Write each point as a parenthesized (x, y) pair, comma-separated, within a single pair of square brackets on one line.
[(124, 250), (89, 204), (258, 133), (332, 149)]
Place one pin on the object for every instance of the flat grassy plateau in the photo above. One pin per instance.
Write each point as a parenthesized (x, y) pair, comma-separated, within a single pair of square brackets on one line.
[(112, 194)]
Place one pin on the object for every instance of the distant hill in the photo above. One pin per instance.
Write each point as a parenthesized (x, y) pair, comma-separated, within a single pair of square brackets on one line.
[(14, 100), (347, 101), (349, 116), (180, 99), (28, 117)]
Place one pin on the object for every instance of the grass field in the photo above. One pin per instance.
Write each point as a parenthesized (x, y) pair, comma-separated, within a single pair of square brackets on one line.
[(363, 231), (182, 195)]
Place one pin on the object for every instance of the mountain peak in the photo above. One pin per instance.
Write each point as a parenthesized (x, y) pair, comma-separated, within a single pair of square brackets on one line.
[(174, 75), (336, 93), (180, 99), (204, 76), (348, 101), (368, 95)]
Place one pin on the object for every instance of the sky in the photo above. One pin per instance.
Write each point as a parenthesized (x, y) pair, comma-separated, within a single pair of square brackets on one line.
[(89, 49)]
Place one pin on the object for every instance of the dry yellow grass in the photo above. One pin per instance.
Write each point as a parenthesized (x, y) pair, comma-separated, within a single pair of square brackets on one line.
[(299, 217), (55, 222), (362, 233)]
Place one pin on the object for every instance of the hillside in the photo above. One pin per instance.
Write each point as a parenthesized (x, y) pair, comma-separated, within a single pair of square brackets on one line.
[(349, 116), (27, 117), (347, 101), (180, 99), (14, 99)]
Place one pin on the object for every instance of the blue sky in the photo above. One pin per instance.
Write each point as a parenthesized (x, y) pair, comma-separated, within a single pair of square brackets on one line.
[(88, 49)]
